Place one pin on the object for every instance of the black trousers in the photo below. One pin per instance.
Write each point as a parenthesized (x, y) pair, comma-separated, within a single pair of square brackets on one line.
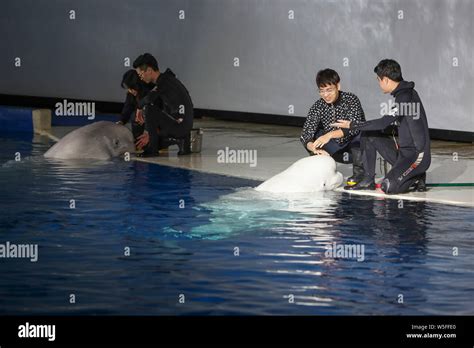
[(159, 125), (337, 150), (407, 165)]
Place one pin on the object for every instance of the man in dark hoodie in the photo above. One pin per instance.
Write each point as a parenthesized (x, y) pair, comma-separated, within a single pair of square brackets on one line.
[(168, 108), (410, 156)]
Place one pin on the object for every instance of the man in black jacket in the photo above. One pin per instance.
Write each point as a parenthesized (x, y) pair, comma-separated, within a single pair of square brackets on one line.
[(168, 108), (319, 137), (410, 157)]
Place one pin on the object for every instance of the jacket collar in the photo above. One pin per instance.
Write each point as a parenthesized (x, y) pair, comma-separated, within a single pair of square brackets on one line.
[(403, 85)]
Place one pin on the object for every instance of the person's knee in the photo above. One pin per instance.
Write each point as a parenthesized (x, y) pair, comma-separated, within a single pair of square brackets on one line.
[(339, 157), (388, 186)]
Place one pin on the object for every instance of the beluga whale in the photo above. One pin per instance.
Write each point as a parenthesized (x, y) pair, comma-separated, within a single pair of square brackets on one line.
[(101, 140), (309, 174)]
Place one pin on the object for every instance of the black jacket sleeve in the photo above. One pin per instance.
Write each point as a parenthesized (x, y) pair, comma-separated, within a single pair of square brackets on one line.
[(129, 108), (356, 116), (377, 124), (151, 97)]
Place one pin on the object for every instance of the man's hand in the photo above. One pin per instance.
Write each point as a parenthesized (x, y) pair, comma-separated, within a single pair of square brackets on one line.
[(311, 147), (341, 124), (139, 117), (322, 140), (321, 152), (143, 140), (179, 120)]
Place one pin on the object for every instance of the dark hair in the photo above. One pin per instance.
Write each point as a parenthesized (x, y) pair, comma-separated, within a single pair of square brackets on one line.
[(389, 68), (144, 61), (327, 77), (130, 80)]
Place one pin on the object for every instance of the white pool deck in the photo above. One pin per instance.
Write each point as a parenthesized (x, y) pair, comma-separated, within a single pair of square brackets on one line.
[(277, 147)]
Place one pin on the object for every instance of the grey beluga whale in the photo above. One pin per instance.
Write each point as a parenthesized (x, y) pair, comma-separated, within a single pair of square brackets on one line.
[(100, 140)]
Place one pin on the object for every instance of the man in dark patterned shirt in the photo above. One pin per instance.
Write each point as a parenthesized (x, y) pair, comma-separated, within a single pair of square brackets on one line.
[(320, 138)]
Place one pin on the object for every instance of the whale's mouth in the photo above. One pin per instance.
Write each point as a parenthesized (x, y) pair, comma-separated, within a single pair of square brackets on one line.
[(336, 181)]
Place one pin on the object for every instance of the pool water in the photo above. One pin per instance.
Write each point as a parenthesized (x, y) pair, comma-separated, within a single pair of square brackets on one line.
[(208, 244)]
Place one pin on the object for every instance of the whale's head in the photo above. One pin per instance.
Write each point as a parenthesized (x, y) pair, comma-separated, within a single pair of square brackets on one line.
[(309, 174), (118, 140), (323, 174), (333, 181), (100, 140)]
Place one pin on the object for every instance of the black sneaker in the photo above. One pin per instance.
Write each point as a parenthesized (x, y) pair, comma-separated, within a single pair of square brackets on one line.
[(184, 145), (365, 184), (353, 180), (420, 185)]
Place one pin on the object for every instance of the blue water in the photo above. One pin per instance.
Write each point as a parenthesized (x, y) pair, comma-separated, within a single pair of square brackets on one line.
[(281, 267)]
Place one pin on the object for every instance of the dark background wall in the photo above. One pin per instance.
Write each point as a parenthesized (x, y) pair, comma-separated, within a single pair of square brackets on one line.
[(279, 56)]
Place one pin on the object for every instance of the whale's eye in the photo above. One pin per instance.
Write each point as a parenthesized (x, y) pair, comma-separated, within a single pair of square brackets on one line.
[(116, 142)]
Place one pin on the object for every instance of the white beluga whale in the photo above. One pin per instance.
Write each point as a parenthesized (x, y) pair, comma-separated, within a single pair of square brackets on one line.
[(294, 200), (309, 174), (100, 140)]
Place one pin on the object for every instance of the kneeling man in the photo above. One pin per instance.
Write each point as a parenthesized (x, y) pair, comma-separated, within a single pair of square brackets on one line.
[(320, 137), (168, 109), (410, 155)]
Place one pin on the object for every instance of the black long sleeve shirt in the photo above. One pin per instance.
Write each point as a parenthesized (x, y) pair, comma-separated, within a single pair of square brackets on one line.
[(322, 114), (129, 107)]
